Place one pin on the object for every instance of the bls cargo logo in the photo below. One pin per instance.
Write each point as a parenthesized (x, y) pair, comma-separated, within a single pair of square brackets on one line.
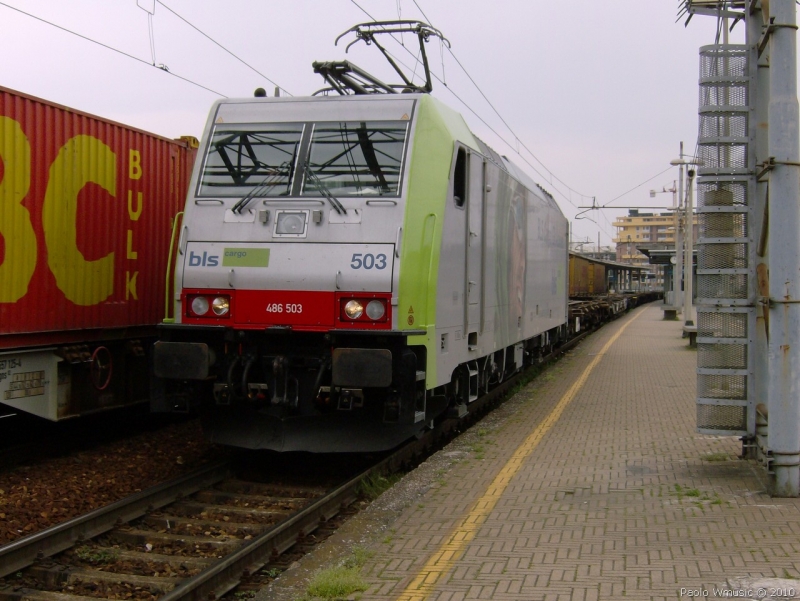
[(204, 260), (81, 161), (231, 257)]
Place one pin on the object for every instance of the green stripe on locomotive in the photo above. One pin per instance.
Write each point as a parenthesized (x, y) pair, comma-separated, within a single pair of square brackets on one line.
[(437, 130)]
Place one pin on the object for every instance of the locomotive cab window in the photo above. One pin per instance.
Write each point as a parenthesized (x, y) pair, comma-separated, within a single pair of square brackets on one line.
[(460, 178), (257, 161), (356, 158)]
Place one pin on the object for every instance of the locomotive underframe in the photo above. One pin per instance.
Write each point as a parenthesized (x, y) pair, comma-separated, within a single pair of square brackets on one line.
[(290, 391), (300, 382)]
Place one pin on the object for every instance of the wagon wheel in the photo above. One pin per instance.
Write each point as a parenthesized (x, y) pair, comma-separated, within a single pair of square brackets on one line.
[(101, 368), (499, 371), (485, 375), (460, 385)]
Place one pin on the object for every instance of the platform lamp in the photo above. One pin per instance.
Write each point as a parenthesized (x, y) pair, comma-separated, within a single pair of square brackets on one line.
[(688, 238), (628, 278)]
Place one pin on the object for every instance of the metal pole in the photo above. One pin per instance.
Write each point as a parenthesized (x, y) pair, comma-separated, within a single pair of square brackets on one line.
[(677, 297), (784, 251), (689, 256), (760, 358), (676, 266)]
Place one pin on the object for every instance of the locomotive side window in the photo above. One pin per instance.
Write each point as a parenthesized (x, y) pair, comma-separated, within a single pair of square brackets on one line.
[(257, 161), (460, 178), (357, 158)]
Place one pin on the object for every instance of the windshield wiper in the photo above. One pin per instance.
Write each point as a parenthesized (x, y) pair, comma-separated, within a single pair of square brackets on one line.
[(323, 189), (277, 172), (368, 150)]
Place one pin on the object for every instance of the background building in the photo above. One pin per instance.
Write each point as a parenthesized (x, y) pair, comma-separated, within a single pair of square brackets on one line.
[(645, 231)]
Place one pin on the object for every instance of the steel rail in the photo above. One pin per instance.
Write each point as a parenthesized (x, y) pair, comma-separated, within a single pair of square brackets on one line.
[(229, 571), (23, 552)]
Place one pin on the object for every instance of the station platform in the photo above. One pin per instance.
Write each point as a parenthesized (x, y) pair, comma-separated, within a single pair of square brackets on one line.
[(591, 483)]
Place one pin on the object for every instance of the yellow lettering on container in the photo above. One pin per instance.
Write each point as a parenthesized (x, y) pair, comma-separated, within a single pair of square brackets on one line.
[(134, 164), (132, 254), (83, 159), (16, 229), (134, 214), (130, 285)]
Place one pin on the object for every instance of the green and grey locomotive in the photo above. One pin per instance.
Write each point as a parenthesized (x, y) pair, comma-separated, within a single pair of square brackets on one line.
[(352, 267)]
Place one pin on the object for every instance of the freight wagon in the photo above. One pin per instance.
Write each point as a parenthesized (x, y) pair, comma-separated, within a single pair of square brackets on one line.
[(86, 210), (587, 277)]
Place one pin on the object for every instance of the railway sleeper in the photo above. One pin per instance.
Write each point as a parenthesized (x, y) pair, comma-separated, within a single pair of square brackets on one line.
[(252, 502), (174, 524), (269, 490), (215, 512), (9, 593), (201, 545), (180, 565), (58, 576)]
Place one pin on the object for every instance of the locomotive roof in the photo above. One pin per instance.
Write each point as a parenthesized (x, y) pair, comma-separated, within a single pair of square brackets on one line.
[(238, 111)]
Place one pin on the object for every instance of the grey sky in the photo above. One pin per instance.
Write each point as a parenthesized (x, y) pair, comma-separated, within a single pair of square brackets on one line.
[(601, 92)]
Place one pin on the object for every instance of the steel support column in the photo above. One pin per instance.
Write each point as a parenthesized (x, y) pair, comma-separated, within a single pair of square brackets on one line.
[(784, 251), (759, 255)]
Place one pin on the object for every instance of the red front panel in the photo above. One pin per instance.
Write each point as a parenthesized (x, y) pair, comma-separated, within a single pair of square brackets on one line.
[(285, 308), (300, 310), (86, 209)]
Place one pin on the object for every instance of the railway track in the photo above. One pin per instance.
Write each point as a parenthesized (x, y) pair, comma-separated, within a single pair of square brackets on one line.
[(193, 538), (200, 536)]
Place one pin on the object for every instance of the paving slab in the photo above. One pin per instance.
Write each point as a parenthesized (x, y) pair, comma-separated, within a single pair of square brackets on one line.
[(591, 483)]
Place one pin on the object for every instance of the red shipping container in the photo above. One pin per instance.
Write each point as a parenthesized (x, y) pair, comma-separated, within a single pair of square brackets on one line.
[(86, 216), (86, 213)]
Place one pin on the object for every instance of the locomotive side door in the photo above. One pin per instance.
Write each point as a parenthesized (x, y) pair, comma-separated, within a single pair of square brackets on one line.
[(475, 245)]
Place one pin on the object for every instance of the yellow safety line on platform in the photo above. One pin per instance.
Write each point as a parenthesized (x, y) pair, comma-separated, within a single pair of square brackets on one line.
[(446, 556)]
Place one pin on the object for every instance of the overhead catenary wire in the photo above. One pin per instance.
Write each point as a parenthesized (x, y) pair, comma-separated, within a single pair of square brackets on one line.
[(608, 232), (496, 112), (522, 143), (648, 180), (208, 37), (152, 36), (513, 146), (150, 32), (106, 46), (482, 120)]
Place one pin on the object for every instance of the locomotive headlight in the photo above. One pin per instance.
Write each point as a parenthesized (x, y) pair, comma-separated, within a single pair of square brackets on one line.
[(375, 309), (199, 305), (290, 223), (221, 305), (353, 309)]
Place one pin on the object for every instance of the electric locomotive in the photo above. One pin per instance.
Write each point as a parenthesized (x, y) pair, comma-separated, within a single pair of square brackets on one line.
[(353, 266)]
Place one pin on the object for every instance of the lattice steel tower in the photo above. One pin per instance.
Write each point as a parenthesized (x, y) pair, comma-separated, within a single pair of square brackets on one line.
[(748, 272)]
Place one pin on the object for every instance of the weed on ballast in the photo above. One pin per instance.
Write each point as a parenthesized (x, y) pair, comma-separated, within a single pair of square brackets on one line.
[(375, 485), (340, 581), (96, 556)]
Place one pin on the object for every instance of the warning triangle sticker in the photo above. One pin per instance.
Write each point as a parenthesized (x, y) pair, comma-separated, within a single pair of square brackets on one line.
[(410, 309), (405, 117)]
